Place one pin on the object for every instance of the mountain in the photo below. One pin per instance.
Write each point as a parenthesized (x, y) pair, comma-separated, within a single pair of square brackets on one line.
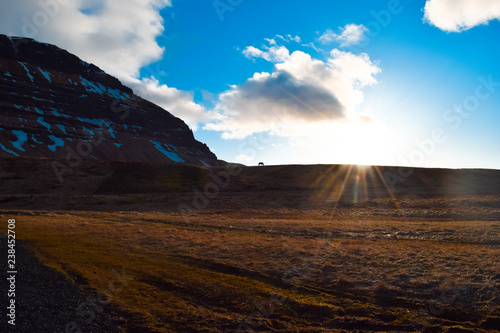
[(54, 105)]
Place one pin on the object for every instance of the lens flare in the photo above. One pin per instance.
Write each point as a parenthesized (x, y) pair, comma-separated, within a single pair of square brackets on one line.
[(365, 183)]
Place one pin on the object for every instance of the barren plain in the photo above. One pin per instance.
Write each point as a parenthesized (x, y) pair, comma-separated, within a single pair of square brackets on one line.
[(267, 249)]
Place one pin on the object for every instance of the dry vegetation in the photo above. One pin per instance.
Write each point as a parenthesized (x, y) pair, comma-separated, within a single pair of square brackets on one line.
[(283, 270)]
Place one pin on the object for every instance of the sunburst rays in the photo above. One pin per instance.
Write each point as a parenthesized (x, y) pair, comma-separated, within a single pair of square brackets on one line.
[(352, 184)]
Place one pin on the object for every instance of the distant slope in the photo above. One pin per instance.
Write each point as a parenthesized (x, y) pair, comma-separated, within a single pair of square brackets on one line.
[(53, 105), (329, 181), (33, 184)]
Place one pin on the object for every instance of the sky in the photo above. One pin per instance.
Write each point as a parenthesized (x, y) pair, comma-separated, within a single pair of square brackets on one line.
[(392, 82)]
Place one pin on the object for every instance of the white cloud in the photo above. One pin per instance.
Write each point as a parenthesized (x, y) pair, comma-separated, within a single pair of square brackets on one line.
[(328, 37), (351, 34), (271, 41), (118, 36), (175, 101), (460, 15), (252, 52), (289, 38), (300, 89), (295, 39), (356, 70), (273, 54)]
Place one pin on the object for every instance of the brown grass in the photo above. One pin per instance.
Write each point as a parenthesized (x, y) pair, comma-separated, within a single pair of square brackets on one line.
[(282, 272)]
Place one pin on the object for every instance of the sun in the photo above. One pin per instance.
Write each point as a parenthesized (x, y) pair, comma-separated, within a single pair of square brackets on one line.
[(362, 143), (352, 142)]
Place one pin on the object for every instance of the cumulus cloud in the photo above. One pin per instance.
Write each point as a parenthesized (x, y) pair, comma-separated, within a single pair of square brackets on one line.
[(351, 34), (460, 15), (300, 89), (176, 101), (118, 36)]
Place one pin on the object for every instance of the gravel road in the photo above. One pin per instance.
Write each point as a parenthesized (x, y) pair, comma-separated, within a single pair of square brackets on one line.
[(47, 301)]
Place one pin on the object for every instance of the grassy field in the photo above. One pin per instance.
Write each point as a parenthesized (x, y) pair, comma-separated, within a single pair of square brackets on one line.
[(349, 269)]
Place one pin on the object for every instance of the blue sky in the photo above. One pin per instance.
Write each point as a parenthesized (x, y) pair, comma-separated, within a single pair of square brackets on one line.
[(407, 82), (424, 71)]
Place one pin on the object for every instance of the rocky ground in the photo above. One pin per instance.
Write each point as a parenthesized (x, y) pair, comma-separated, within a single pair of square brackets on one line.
[(50, 301)]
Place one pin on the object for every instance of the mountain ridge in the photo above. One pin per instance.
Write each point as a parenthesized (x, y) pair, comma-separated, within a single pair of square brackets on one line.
[(54, 105)]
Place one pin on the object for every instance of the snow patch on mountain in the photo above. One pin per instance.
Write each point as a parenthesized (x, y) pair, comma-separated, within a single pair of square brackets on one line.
[(27, 70), (22, 137), (45, 124), (8, 150), (173, 156), (58, 142), (46, 74)]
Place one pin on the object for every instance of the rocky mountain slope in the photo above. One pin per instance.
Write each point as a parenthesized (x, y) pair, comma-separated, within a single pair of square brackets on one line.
[(54, 105)]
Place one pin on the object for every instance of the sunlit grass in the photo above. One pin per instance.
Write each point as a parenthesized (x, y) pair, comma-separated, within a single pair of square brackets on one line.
[(208, 272)]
